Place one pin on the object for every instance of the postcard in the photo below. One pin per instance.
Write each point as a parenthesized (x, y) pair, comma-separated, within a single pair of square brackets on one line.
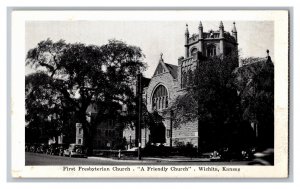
[(149, 93)]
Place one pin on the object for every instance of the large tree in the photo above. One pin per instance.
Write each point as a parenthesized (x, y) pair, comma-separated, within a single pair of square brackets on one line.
[(255, 84), (46, 112), (226, 100), (212, 100), (71, 77)]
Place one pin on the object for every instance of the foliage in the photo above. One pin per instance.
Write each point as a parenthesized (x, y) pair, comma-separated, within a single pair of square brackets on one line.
[(71, 77), (45, 106), (151, 119), (255, 83), (209, 95), (120, 144), (184, 109), (225, 99)]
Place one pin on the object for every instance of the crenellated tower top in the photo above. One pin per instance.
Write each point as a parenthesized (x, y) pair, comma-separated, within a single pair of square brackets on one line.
[(211, 43)]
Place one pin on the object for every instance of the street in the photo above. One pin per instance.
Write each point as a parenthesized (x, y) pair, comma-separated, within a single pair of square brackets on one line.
[(43, 159)]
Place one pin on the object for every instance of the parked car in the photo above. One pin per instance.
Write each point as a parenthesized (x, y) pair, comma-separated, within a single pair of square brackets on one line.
[(27, 147), (228, 154), (51, 149), (133, 149), (60, 149), (56, 149), (42, 148), (33, 148), (265, 157), (75, 150), (215, 156)]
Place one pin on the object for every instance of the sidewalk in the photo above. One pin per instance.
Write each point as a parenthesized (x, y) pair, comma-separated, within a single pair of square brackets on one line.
[(178, 159), (152, 159)]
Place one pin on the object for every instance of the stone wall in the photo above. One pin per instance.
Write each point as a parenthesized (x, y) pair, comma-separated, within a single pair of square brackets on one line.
[(185, 133)]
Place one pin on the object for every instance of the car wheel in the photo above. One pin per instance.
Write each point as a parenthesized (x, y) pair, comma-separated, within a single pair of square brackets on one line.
[(255, 163)]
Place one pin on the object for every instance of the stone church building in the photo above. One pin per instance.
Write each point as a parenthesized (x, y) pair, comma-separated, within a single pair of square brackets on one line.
[(169, 81)]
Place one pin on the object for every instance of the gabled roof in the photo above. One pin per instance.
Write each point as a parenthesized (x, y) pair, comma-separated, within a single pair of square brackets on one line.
[(173, 69), (145, 81), (163, 67)]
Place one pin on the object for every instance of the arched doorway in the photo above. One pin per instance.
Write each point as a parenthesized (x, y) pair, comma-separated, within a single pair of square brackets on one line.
[(158, 133)]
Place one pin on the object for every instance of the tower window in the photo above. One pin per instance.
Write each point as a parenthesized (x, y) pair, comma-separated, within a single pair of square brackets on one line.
[(160, 98), (194, 53), (183, 79), (211, 51)]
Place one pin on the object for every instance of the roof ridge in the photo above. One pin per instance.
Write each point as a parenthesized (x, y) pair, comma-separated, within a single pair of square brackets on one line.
[(171, 64)]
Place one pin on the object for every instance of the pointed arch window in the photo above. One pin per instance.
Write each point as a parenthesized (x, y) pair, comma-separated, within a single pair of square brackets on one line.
[(211, 51), (183, 79), (194, 53), (160, 98)]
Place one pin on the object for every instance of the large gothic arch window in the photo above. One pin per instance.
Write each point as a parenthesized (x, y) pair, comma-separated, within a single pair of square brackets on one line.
[(160, 98)]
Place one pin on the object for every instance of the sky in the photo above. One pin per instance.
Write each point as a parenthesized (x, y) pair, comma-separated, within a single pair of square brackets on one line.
[(153, 37)]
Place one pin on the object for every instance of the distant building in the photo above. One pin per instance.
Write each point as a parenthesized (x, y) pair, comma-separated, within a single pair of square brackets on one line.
[(79, 134)]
